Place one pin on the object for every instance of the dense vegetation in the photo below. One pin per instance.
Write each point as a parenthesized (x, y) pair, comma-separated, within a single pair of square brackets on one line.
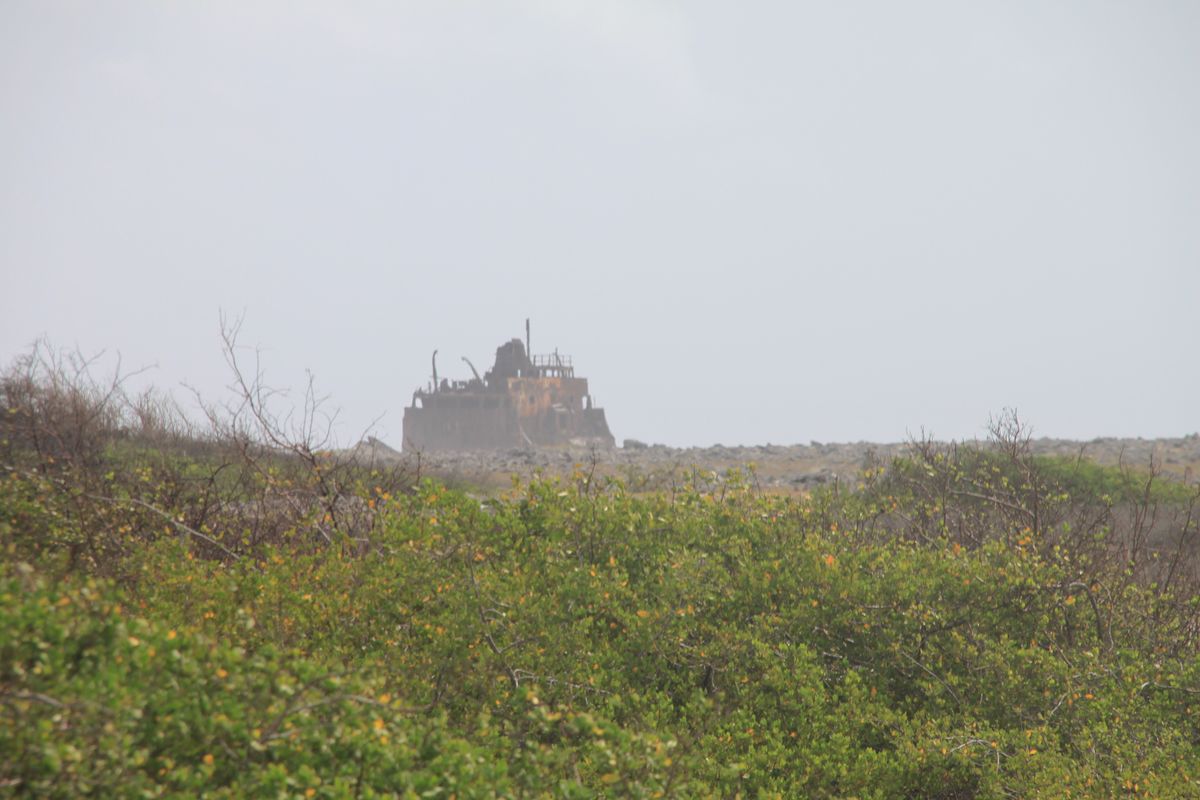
[(234, 614)]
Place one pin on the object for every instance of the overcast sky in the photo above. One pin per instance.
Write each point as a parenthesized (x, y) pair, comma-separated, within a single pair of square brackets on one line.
[(748, 222)]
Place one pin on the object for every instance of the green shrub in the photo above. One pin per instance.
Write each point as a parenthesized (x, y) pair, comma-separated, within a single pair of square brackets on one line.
[(574, 641)]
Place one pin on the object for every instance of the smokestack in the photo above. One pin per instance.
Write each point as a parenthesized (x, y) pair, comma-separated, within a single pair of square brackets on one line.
[(528, 349)]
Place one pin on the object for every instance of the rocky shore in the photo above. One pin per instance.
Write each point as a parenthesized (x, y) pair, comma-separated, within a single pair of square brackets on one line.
[(793, 467)]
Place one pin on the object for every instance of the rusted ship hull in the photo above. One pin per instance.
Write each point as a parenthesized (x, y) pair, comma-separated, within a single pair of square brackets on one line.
[(520, 402)]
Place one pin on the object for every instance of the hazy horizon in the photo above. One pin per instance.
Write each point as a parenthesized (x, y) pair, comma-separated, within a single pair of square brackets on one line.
[(777, 223)]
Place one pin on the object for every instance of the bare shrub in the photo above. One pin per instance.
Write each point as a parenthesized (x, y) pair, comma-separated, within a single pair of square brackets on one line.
[(121, 469), (292, 476), (1115, 531), (55, 407)]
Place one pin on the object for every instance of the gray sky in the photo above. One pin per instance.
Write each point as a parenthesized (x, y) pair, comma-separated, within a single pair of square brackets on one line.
[(748, 222)]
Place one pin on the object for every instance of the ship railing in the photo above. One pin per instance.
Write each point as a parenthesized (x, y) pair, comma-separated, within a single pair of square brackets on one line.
[(552, 360)]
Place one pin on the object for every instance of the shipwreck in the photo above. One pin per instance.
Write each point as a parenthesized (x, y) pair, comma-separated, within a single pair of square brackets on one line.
[(524, 400)]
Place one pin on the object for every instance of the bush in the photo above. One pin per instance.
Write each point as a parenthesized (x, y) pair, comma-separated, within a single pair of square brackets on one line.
[(972, 623)]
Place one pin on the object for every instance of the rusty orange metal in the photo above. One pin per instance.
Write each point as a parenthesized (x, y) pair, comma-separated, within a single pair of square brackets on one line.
[(522, 401)]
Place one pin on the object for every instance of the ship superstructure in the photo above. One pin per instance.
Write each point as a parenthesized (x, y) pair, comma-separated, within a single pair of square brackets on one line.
[(522, 401)]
